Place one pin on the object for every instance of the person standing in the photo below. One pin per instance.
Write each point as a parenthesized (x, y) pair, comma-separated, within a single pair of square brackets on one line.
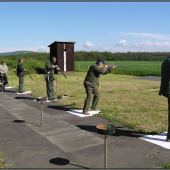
[(21, 73), (49, 77), (3, 73), (90, 84), (165, 88)]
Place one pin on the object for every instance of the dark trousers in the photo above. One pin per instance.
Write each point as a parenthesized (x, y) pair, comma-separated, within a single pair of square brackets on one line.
[(50, 89), (89, 92), (4, 79), (168, 133), (21, 83)]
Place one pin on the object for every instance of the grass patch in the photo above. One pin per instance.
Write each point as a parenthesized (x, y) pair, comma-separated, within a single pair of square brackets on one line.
[(166, 166), (3, 164)]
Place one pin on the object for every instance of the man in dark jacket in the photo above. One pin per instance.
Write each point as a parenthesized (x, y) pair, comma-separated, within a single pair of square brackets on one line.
[(165, 88), (90, 84), (21, 73), (49, 77)]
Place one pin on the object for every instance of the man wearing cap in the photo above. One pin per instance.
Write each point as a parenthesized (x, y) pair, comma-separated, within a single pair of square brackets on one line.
[(90, 84), (49, 77), (165, 88)]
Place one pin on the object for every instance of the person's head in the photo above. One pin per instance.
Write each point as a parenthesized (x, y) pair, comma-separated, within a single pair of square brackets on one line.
[(100, 62), (53, 59), (20, 60), (3, 62)]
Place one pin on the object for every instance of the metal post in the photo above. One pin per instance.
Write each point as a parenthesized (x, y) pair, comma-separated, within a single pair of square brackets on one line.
[(2, 93), (42, 123), (105, 151), (41, 99), (41, 113)]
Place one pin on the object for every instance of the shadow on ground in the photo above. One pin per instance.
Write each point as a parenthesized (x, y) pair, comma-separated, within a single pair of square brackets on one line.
[(120, 131), (9, 91), (62, 161), (29, 98), (58, 108)]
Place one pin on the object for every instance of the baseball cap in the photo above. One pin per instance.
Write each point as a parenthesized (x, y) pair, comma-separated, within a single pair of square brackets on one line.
[(53, 58), (101, 60)]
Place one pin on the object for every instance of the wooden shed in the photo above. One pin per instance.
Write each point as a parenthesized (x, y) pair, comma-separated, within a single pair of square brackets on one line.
[(64, 52)]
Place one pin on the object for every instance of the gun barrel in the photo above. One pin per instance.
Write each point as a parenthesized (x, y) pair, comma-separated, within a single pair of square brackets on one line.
[(64, 74), (118, 66), (29, 74)]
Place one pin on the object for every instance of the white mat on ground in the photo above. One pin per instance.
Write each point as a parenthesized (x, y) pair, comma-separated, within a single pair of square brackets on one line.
[(25, 92), (80, 113), (10, 87), (159, 139)]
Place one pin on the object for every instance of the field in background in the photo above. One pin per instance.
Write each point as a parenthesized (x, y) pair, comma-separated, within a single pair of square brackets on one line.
[(136, 68)]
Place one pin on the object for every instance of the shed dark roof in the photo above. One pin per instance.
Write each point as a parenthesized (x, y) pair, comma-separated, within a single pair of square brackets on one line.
[(70, 42)]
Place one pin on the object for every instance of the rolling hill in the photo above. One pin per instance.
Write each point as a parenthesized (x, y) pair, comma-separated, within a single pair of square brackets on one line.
[(15, 53)]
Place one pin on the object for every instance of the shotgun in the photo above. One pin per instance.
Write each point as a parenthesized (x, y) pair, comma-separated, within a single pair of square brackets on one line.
[(118, 66), (29, 74), (56, 66), (63, 74)]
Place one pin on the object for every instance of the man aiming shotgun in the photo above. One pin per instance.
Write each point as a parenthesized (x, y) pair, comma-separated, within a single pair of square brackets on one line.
[(90, 84)]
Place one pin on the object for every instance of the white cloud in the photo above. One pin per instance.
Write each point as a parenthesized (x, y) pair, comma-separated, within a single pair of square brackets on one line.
[(121, 43), (43, 49), (147, 44), (148, 35), (144, 46), (88, 45)]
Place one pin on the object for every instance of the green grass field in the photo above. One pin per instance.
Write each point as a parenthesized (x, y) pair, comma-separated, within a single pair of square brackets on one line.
[(136, 68)]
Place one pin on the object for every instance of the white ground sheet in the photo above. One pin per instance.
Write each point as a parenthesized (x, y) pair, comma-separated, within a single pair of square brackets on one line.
[(10, 87), (80, 113), (25, 92), (159, 139)]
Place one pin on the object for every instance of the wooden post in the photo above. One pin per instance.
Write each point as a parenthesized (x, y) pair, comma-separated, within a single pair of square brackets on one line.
[(105, 151), (41, 113)]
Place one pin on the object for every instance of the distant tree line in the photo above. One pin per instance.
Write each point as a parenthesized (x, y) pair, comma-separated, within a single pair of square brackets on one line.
[(94, 55), (128, 56)]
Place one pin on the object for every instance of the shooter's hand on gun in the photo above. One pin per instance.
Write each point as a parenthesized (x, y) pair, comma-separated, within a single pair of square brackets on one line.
[(58, 68), (111, 67)]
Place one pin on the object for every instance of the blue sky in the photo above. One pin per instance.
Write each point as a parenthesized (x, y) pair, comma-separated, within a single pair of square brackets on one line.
[(94, 26)]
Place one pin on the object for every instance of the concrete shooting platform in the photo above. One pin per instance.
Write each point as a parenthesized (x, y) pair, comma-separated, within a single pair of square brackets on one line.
[(67, 140)]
